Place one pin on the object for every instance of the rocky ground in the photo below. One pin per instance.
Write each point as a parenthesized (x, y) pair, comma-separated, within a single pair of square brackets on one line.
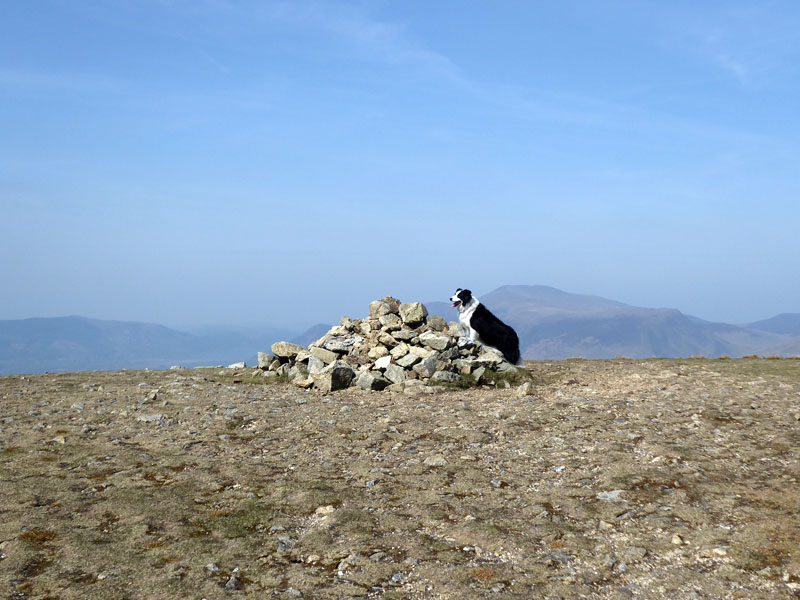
[(605, 479)]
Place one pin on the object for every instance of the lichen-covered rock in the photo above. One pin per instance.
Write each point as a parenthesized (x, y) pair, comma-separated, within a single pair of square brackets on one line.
[(390, 322), (399, 351), (426, 367), (445, 376), (413, 313), (422, 352), (286, 350), (437, 323), (387, 340), (490, 359), (298, 371), (408, 360), (395, 373), (405, 335), (379, 308), (371, 380), (377, 352), (437, 341), (265, 360), (341, 344), (315, 365), (326, 356), (336, 376)]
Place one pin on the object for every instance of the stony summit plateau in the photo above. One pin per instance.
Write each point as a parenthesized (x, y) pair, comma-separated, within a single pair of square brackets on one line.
[(600, 479)]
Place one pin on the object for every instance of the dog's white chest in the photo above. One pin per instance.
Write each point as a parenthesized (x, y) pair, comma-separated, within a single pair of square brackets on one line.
[(465, 317)]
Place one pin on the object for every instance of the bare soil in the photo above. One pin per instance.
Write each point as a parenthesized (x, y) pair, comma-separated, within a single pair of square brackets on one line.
[(606, 479)]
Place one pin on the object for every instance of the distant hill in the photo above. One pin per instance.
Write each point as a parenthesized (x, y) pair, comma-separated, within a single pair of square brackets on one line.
[(553, 324), (311, 335), (786, 324), (81, 344)]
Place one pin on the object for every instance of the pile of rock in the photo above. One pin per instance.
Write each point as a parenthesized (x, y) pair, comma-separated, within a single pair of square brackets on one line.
[(397, 347)]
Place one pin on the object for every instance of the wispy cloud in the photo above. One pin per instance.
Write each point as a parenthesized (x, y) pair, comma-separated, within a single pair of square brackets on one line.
[(750, 45), (374, 40)]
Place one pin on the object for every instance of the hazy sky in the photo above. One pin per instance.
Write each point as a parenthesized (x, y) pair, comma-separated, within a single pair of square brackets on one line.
[(284, 163)]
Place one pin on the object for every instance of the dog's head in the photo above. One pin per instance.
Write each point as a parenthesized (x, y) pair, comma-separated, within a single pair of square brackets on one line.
[(460, 298)]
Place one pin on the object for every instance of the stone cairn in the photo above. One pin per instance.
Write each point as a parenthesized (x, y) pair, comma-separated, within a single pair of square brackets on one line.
[(397, 348)]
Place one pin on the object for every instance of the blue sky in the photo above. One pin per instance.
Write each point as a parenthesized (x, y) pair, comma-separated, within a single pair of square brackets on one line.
[(284, 163)]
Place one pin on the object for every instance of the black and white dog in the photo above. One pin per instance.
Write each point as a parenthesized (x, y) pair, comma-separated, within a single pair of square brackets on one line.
[(483, 327)]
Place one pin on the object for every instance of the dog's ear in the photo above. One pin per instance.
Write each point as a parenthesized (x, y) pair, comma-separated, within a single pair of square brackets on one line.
[(467, 292)]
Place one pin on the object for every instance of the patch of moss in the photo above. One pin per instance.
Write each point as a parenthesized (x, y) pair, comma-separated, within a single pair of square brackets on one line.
[(490, 378), (241, 521)]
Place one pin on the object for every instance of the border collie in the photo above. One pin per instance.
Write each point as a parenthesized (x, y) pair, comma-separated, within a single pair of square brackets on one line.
[(483, 327)]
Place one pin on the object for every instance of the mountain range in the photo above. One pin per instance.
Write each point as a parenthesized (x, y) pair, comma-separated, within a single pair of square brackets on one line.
[(551, 324), (80, 344)]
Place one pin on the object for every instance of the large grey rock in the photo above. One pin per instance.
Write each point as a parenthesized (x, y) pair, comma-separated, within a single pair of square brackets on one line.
[(437, 323), (264, 360), (395, 373), (378, 308), (426, 367), (342, 345), (422, 352), (367, 326), (387, 340), (298, 372), (437, 341), (405, 335), (445, 377), (286, 350), (336, 376), (413, 313), (400, 350), (371, 380), (377, 352), (315, 365), (390, 322), (408, 360), (489, 358), (326, 356), (455, 329), (464, 365), (506, 367), (383, 362)]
